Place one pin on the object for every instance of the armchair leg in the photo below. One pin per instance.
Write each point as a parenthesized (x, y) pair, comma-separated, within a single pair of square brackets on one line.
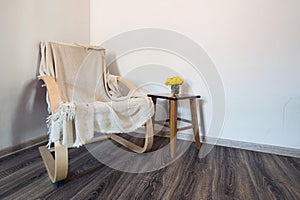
[(57, 167), (133, 147)]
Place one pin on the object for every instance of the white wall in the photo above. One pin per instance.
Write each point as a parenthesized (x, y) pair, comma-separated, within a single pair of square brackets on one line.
[(254, 44), (23, 24)]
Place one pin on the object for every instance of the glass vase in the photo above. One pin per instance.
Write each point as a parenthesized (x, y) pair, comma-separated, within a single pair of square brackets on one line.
[(175, 89)]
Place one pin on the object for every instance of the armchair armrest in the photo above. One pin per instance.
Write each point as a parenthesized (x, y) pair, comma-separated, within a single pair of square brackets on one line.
[(127, 83), (53, 92)]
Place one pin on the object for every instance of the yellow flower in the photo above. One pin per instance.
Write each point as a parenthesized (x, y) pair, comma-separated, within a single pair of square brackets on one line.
[(175, 80)]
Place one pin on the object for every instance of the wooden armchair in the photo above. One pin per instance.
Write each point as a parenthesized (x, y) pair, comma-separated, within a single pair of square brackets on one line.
[(61, 68)]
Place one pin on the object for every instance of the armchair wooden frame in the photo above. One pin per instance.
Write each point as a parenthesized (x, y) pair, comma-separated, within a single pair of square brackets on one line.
[(57, 166)]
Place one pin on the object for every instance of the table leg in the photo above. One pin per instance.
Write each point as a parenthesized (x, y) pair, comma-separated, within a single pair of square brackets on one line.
[(154, 101), (173, 126), (153, 117), (193, 108)]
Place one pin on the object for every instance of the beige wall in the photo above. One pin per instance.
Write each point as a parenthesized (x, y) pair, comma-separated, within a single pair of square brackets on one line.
[(23, 24), (254, 44)]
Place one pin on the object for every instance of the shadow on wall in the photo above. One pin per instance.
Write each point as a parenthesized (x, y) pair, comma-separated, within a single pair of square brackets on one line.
[(30, 115), (202, 130)]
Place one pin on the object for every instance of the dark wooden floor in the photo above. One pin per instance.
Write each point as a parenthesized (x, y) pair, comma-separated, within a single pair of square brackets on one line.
[(225, 173)]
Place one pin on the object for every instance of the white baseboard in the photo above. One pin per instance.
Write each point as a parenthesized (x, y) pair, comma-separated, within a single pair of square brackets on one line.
[(265, 148), (13, 149)]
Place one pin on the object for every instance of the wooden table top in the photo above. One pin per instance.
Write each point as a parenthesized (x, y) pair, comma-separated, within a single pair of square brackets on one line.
[(169, 96)]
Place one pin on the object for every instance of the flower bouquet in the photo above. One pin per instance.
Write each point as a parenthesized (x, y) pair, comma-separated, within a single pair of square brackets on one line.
[(174, 82)]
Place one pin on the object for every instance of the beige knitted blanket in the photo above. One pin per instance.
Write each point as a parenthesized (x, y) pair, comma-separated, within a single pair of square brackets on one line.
[(92, 101)]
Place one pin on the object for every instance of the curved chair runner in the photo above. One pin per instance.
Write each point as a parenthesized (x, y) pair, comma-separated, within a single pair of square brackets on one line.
[(57, 166)]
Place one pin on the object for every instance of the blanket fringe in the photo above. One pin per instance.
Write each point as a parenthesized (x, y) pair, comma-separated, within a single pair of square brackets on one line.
[(66, 111)]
